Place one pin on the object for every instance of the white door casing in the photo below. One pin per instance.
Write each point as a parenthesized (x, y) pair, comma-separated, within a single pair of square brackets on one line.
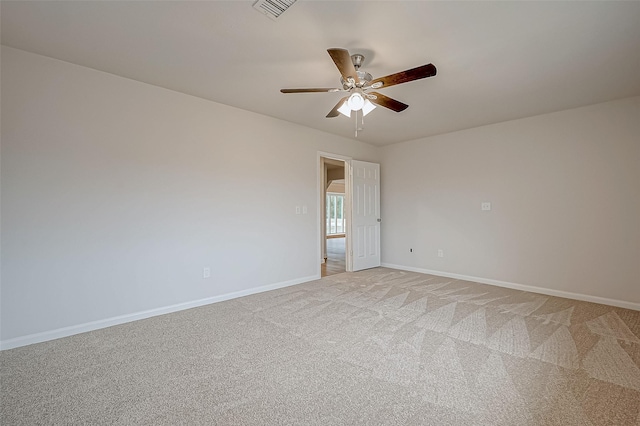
[(365, 211)]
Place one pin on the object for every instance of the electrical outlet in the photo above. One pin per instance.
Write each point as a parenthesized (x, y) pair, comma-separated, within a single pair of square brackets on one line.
[(297, 209), (206, 272), (440, 253), (486, 206)]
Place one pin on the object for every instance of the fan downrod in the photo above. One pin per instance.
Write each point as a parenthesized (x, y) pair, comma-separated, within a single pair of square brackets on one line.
[(357, 59)]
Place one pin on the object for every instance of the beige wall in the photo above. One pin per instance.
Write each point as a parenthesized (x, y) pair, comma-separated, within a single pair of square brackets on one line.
[(116, 194), (565, 194)]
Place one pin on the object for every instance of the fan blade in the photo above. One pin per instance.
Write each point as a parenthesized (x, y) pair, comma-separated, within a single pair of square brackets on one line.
[(334, 112), (343, 61), (424, 71), (331, 89), (388, 102)]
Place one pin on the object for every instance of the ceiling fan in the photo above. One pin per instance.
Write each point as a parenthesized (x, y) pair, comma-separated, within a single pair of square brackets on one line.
[(360, 85)]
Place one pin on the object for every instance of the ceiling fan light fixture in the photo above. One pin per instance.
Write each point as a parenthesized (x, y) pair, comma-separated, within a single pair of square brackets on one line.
[(358, 83), (355, 101), (367, 107), (345, 109)]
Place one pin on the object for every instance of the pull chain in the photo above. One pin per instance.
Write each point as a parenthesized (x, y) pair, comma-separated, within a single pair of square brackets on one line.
[(362, 123)]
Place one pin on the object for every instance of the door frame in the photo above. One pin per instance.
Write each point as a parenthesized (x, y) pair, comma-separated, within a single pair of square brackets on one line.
[(321, 212)]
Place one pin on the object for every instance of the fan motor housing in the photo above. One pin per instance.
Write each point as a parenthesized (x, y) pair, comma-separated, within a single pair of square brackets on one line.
[(363, 76)]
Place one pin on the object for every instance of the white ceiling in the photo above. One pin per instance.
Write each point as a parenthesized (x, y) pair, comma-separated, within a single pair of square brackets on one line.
[(496, 61)]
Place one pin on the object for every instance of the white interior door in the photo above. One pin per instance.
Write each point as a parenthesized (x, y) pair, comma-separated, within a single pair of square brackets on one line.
[(365, 221)]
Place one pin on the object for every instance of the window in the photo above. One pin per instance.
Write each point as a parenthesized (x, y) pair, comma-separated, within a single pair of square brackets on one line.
[(335, 214)]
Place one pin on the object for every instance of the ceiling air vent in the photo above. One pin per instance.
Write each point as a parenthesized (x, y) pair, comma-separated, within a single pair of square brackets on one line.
[(273, 8)]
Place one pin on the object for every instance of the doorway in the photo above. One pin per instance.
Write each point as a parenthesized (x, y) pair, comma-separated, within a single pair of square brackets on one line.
[(359, 246), (334, 216)]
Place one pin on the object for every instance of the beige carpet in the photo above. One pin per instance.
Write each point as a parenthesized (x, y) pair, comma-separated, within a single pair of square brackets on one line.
[(378, 347)]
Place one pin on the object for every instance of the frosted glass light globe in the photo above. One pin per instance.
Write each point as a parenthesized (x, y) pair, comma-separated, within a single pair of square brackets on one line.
[(355, 102)]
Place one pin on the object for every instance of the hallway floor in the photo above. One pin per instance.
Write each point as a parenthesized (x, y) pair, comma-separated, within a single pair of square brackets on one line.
[(336, 263)]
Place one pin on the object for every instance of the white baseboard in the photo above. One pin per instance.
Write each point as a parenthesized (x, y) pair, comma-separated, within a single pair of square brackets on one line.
[(108, 322), (523, 287)]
